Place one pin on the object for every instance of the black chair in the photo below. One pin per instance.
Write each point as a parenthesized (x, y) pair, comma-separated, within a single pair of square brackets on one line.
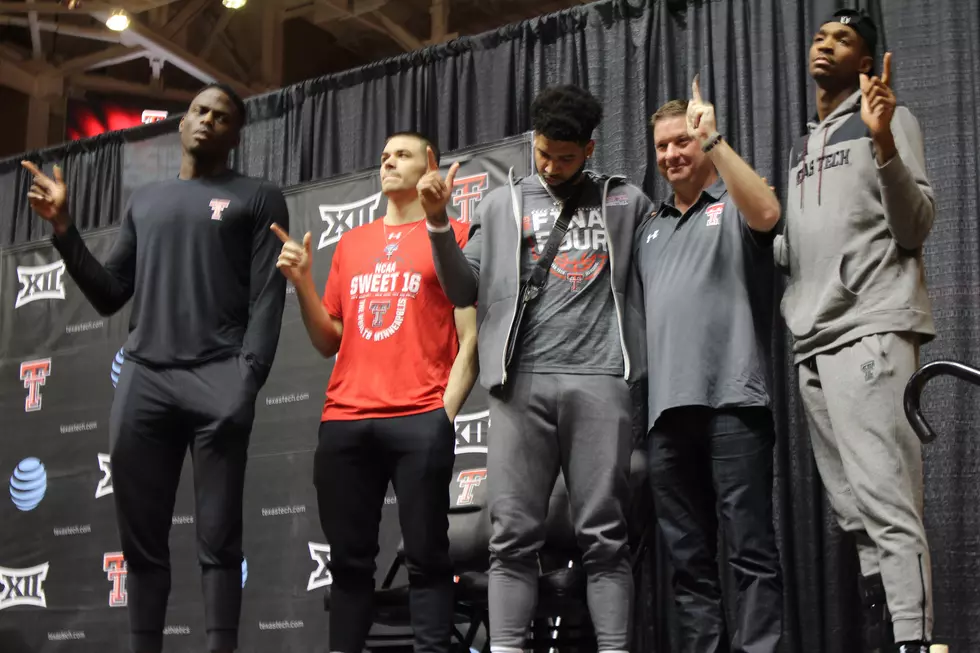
[(918, 381), (562, 617), (469, 535)]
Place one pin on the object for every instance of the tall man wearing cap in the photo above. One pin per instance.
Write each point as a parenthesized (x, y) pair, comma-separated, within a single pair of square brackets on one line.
[(705, 261), (859, 208)]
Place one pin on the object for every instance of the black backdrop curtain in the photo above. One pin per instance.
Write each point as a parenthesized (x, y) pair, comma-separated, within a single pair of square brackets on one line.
[(635, 55)]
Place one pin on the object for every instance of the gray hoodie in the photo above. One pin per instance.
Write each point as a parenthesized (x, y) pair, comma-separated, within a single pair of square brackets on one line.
[(488, 272), (853, 234)]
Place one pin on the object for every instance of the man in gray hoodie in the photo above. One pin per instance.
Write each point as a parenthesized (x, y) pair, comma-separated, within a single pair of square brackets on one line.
[(859, 208), (556, 365)]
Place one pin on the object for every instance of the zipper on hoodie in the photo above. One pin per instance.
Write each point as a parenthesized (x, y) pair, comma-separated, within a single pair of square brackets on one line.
[(517, 298), (612, 282)]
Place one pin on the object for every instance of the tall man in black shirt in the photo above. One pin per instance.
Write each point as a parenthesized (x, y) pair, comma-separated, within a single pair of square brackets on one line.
[(705, 263), (196, 255)]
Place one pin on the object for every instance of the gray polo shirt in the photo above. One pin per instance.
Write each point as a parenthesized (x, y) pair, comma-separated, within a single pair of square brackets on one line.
[(708, 296)]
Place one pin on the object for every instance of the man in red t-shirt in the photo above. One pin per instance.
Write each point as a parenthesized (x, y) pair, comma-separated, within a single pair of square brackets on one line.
[(406, 361)]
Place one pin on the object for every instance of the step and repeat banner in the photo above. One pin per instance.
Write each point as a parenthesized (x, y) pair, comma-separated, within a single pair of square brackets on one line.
[(62, 574)]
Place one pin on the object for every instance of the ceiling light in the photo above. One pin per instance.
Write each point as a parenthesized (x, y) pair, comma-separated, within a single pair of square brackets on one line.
[(117, 21), (233, 4)]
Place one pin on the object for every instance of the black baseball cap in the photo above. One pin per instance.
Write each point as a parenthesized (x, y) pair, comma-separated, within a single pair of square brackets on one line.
[(860, 21)]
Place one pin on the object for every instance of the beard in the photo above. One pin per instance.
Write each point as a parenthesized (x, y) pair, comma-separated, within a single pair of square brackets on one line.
[(564, 189)]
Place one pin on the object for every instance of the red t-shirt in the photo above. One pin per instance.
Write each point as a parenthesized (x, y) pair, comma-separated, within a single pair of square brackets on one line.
[(399, 339)]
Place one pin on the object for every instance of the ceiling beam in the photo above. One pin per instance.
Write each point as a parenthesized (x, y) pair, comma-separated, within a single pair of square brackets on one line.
[(91, 33), (271, 56), (12, 52), (189, 12), (234, 57), (112, 56), (25, 78), (15, 77), (217, 30), (140, 35), (35, 33), (439, 22), (140, 6), (111, 85), (48, 7), (399, 34)]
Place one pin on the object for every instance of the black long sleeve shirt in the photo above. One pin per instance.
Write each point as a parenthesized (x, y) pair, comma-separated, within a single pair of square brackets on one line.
[(198, 259)]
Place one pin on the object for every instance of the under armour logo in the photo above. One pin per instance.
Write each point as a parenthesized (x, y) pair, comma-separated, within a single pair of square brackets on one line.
[(845, 20), (869, 370), (653, 236), (218, 207)]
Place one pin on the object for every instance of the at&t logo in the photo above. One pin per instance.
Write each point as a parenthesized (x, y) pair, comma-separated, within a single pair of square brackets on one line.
[(40, 282), (23, 587), (114, 565), (34, 374), (116, 368), (28, 484)]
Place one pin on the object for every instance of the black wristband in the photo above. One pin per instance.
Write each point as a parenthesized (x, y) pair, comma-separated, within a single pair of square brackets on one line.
[(713, 140)]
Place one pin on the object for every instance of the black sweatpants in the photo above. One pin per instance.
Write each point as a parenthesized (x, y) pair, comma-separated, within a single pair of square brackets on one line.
[(156, 415), (355, 460), (705, 463)]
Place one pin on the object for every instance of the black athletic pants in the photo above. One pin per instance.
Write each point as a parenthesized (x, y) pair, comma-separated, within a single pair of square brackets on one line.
[(156, 415), (355, 460), (704, 464)]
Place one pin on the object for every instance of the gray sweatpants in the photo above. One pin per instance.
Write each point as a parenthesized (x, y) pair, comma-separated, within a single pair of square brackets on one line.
[(581, 425), (870, 461)]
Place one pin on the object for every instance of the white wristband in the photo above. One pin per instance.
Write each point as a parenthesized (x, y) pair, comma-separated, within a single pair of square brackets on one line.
[(438, 230)]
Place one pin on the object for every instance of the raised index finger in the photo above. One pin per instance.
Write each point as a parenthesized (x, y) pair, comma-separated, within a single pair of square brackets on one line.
[(433, 164), (276, 229), (886, 70), (696, 88), (34, 170)]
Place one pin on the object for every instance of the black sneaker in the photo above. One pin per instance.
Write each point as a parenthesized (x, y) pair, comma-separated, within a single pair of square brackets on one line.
[(912, 647), (876, 620)]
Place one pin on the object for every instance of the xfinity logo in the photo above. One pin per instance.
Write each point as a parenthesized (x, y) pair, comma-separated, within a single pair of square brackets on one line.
[(105, 483), (321, 577), (41, 282), (23, 587), (341, 218)]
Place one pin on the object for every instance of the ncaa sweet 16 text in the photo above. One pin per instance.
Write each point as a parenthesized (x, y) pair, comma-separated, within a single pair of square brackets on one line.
[(375, 291)]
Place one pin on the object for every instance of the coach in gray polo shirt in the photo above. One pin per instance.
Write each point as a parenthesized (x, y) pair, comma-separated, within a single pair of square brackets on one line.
[(705, 260)]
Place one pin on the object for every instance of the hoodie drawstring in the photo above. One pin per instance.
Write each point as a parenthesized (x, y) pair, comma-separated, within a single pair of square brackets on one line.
[(806, 147), (823, 151)]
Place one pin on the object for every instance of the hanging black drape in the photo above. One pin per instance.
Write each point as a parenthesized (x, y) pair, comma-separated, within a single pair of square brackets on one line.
[(635, 55)]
